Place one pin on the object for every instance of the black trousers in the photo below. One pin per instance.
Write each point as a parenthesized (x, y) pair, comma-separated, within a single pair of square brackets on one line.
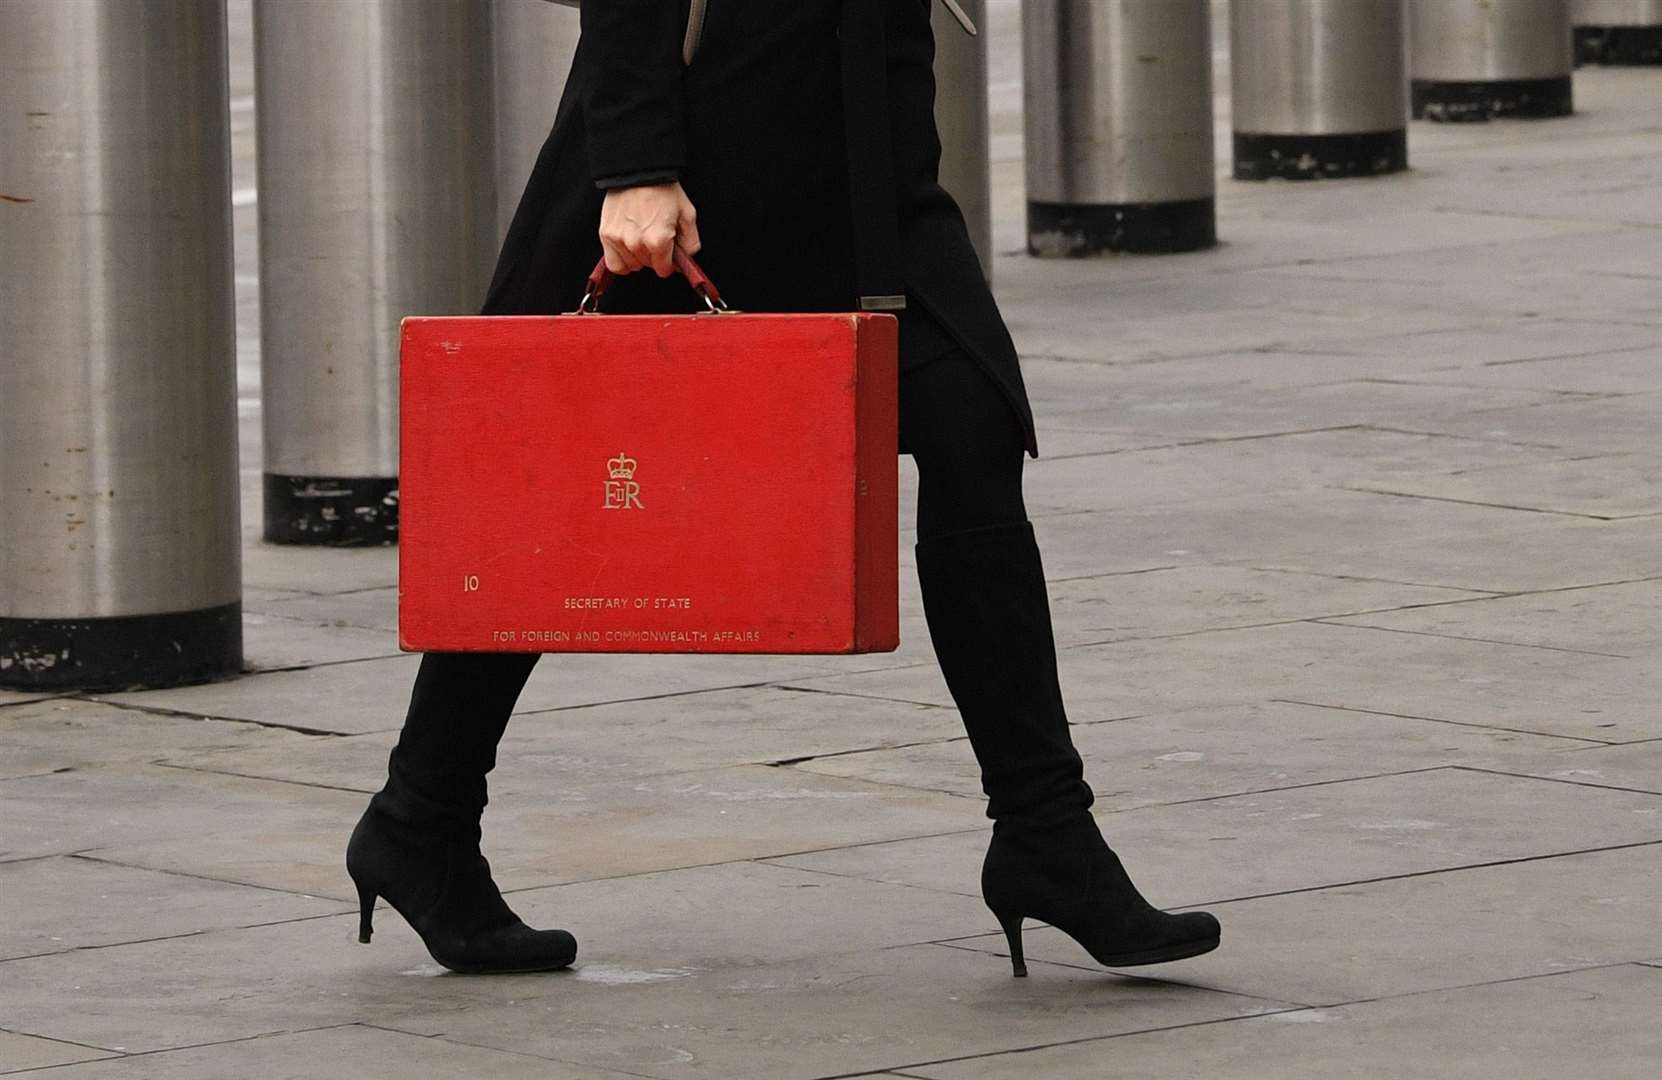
[(968, 445)]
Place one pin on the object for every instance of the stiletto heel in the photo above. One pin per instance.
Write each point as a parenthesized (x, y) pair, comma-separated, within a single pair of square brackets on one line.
[(1012, 932), (442, 886), (366, 908), (1066, 875)]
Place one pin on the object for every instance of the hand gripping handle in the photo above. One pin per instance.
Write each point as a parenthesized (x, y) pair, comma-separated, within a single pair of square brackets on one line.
[(601, 279)]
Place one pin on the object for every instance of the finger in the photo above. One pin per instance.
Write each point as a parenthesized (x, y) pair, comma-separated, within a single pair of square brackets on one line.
[(660, 252), (687, 235), (615, 261), (626, 260), (636, 252)]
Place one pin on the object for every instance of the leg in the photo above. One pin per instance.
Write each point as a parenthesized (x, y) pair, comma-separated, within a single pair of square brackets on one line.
[(417, 844), (983, 589), (459, 707), (989, 620)]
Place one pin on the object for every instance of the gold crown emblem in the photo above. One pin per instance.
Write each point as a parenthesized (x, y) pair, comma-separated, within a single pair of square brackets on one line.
[(621, 467)]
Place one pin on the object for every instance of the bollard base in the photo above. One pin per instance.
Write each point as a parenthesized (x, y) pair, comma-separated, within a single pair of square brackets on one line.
[(1075, 230), (1453, 102), (1320, 157), (1618, 45), (132, 652), (331, 511)]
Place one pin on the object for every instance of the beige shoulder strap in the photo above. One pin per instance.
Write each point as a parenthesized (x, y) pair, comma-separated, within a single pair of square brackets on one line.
[(961, 15), (695, 30)]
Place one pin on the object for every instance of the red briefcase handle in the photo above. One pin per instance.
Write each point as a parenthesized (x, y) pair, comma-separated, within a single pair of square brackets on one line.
[(601, 279)]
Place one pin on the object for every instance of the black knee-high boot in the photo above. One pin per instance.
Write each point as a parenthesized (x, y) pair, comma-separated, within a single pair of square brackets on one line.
[(988, 612), (417, 845)]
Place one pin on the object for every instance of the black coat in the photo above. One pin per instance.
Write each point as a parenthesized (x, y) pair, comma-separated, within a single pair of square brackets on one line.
[(754, 128)]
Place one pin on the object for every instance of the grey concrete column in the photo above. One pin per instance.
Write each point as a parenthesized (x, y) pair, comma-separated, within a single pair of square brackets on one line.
[(1478, 59), (119, 532), (961, 115), (535, 41), (377, 175), (1618, 31), (1320, 88), (1119, 126)]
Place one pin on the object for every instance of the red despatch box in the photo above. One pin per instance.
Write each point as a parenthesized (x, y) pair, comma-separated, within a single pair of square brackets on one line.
[(720, 483)]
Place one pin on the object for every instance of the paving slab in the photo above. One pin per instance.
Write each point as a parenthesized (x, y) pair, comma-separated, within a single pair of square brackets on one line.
[(58, 904), (1528, 279), (1457, 546), (1064, 381), (317, 570), (1357, 535), (1278, 226), (269, 642), (1606, 487), (1569, 1024), (1207, 753), (567, 681), (1605, 186), (349, 697), (356, 697), (613, 828), (1349, 457), (357, 1051), (1064, 325), (19, 1053), (551, 751), (21, 697), (234, 984), (371, 609), (668, 925), (1629, 370), (1635, 767), (1273, 228), (293, 836), (1451, 680), (1612, 620), (1614, 424), (827, 1016), (1429, 932), (1322, 836), (1249, 411), (59, 734), (1487, 351), (1190, 599), (289, 837)]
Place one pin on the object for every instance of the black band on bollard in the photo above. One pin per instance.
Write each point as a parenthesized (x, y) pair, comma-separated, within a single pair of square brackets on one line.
[(331, 511), (129, 652), (1319, 157), (1618, 45), (1074, 230), (1464, 102)]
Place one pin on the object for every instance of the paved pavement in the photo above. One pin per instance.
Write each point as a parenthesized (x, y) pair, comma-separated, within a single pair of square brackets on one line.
[(1354, 534)]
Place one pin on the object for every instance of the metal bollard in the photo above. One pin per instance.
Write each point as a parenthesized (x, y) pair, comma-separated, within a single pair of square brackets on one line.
[(535, 41), (1477, 59), (1119, 126), (961, 116), (377, 163), (1320, 88), (120, 557), (1618, 31)]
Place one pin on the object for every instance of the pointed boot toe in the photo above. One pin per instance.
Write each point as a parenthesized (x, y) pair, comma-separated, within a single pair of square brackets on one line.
[(441, 884), (1066, 875)]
